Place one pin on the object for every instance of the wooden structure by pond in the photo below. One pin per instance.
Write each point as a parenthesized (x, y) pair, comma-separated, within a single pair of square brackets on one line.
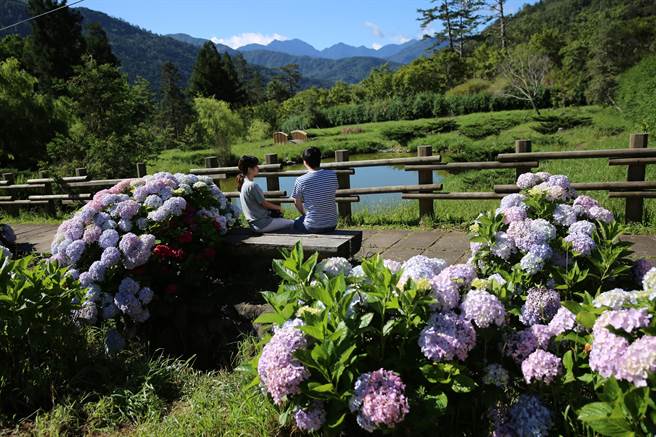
[(49, 193), (280, 138)]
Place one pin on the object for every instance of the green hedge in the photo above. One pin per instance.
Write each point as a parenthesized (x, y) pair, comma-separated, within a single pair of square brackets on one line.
[(422, 105)]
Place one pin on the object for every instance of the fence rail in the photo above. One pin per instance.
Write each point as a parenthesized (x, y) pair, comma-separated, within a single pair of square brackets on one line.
[(49, 192)]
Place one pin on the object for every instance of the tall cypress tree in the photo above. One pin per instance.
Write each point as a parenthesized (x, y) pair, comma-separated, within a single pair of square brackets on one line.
[(98, 45), (175, 110), (56, 44), (233, 89), (207, 76)]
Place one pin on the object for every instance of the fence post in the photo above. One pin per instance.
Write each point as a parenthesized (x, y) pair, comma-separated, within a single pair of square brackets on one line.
[(273, 182), (9, 177), (50, 208), (344, 182), (425, 177), (635, 172), (211, 162), (81, 171), (141, 169), (522, 146)]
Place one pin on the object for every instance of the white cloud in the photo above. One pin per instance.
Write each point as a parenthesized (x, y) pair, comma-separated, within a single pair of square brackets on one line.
[(400, 39), (236, 41), (376, 46), (375, 29)]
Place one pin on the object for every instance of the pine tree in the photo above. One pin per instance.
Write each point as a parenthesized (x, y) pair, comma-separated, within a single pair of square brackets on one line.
[(207, 76), (498, 6), (233, 89), (444, 12), (56, 44), (98, 46), (175, 109)]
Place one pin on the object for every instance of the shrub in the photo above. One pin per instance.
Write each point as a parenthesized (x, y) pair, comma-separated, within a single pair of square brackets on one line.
[(522, 334), (550, 124), (258, 130), (351, 130), (218, 126), (144, 244), (468, 151), (403, 134), (491, 126), (39, 343), (637, 93), (472, 86)]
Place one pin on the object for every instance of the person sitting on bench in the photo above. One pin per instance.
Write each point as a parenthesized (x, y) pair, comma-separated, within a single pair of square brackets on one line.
[(262, 215), (314, 196)]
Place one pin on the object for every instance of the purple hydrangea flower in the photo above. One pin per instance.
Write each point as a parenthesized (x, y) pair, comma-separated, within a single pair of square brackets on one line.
[(97, 271), (279, 371), (114, 342), (515, 199), (564, 215), (495, 375), (421, 267), (311, 419), (483, 308), (448, 284), (110, 256), (582, 227), (600, 214), (541, 366), (641, 267), (521, 344), (530, 418), (528, 180), (380, 400), (392, 266), (563, 321), (75, 250), (503, 246), (581, 243), (542, 334), (146, 295), (127, 209), (639, 361), (92, 234), (109, 238), (541, 306), (531, 263), (514, 213), (447, 336)]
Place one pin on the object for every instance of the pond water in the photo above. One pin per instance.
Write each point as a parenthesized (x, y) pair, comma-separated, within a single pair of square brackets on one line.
[(363, 177)]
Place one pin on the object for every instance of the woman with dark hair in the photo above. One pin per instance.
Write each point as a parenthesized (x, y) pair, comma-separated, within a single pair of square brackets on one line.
[(262, 215)]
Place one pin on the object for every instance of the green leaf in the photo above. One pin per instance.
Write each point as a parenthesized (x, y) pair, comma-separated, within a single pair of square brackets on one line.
[(366, 320), (440, 401), (387, 328), (320, 388), (463, 384), (599, 416), (266, 318), (586, 319)]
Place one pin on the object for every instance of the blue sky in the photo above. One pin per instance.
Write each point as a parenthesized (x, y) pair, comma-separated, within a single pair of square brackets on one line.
[(372, 23)]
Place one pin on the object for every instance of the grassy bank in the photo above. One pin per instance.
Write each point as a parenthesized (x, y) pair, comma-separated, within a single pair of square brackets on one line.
[(159, 396)]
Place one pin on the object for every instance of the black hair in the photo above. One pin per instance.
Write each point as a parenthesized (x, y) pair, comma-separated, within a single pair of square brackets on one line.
[(245, 162), (312, 157)]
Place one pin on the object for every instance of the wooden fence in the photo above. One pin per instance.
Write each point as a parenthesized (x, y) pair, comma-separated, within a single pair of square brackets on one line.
[(48, 192)]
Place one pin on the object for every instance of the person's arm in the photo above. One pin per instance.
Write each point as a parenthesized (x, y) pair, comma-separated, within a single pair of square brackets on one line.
[(297, 195), (271, 205), (298, 203), (259, 198)]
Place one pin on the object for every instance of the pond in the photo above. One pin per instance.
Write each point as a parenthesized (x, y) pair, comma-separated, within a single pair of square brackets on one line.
[(363, 177)]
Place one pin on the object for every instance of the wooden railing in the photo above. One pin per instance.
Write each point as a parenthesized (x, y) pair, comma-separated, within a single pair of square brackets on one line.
[(47, 192)]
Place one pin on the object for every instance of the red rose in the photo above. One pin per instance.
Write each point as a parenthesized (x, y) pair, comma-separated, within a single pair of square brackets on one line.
[(185, 238), (209, 252), (163, 251), (178, 254), (171, 289)]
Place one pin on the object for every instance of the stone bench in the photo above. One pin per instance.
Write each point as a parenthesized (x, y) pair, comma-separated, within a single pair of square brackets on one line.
[(337, 243)]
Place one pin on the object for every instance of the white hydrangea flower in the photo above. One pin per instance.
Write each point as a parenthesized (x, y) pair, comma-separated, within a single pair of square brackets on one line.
[(335, 266)]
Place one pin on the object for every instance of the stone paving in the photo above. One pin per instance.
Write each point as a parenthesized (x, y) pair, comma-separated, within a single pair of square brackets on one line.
[(392, 244)]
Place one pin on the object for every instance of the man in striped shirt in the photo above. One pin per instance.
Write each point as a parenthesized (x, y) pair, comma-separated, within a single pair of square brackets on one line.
[(314, 196)]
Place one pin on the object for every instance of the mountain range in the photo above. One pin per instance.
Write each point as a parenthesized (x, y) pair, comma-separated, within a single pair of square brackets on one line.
[(142, 52)]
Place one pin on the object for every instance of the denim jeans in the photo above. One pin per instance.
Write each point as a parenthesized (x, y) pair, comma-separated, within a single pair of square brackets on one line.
[(299, 227)]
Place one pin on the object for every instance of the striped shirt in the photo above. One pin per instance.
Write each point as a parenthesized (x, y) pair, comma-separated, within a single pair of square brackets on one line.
[(317, 191)]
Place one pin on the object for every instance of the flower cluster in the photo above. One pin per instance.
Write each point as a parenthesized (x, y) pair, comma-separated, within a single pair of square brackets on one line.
[(335, 266), (614, 355), (281, 373), (483, 308), (421, 267), (113, 239), (447, 336), (450, 282), (379, 400), (310, 419), (540, 306)]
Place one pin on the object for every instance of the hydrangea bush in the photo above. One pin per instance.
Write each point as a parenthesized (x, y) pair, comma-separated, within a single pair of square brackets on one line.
[(7, 238), (142, 242), (531, 333)]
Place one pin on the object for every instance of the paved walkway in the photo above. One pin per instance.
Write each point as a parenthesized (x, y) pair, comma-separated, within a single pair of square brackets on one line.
[(393, 244)]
